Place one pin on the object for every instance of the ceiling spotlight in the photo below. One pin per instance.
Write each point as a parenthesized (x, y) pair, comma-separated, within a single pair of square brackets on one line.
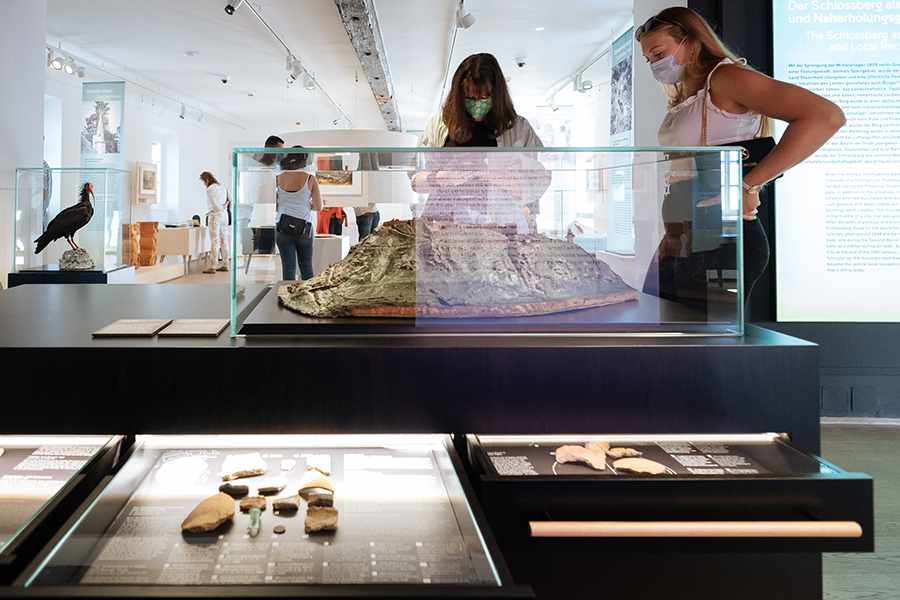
[(200, 118), (80, 71), (181, 116), (308, 83), (464, 20), (69, 66), (230, 8), (553, 105), (56, 62), (581, 85), (49, 57)]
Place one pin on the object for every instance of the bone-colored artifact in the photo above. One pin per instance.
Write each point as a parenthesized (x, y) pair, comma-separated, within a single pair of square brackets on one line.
[(320, 518), (639, 465), (568, 454), (242, 465)]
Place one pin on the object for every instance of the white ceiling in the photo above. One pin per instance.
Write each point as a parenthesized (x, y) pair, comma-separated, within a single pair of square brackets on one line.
[(146, 42)]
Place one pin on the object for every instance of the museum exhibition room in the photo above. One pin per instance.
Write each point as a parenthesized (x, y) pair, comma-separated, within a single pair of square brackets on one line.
[(450, 299)]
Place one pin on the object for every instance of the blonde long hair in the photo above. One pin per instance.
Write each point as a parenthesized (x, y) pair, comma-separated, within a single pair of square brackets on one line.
[(706, 51)]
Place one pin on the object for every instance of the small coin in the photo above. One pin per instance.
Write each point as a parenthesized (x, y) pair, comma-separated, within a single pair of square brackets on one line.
[(279, 529)]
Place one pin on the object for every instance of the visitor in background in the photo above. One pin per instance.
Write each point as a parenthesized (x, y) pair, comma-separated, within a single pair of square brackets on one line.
[(216, 197), (297, 197)]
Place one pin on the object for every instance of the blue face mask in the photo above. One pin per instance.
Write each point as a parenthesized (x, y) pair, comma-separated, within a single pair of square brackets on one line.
[(666, 71), (478, 108)]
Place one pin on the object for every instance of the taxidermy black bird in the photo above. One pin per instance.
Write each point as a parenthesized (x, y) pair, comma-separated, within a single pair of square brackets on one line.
[(69, 220)]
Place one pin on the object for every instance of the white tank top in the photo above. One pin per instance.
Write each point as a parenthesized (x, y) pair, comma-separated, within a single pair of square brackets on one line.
[(682, 124)]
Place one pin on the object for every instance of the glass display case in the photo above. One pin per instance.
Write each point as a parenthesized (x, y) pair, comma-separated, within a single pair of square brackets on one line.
[(43, 194), (754, 492), (525, 240), (41, 478), (293, 516)]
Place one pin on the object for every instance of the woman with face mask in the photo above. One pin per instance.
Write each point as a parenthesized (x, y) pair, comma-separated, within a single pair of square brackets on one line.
[(696, 68), (479, 112)]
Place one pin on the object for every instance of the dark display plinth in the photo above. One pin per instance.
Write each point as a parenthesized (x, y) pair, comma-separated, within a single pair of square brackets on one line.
[(53, 274), (762, 381)]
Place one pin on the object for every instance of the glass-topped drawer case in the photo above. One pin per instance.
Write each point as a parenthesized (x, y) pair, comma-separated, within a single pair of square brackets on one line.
[(524, 240), (689, 492), (280, 516), (43, 479)]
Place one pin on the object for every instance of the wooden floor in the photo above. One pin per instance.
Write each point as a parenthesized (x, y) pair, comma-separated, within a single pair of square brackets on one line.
[(873, 449)]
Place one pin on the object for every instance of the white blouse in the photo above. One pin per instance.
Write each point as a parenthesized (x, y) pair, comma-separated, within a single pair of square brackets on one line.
[(683, 122)]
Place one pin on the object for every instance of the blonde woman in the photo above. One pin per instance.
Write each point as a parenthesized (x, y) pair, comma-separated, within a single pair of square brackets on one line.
[(696, 69), (216, 199)]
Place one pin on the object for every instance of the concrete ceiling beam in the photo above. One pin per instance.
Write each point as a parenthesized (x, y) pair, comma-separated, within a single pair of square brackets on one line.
[(361, 24)]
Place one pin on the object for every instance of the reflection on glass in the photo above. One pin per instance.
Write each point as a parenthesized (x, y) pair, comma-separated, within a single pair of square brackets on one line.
[(573, 240)]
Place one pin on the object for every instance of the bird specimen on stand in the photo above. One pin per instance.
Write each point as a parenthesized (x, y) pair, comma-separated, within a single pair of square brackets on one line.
[(69, 220)]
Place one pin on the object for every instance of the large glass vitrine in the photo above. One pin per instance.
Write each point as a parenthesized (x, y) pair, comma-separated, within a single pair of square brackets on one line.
[(42, 194), (526, 240)]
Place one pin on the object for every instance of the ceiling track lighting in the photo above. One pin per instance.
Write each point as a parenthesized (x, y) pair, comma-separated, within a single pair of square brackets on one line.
[(200, 118), (181, 116), (464, 20), (308, 82), (56, 62), (63, 62), (230, 8), (582, 85)]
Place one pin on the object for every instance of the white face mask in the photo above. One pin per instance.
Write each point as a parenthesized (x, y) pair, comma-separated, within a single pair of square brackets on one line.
[(666, 71)]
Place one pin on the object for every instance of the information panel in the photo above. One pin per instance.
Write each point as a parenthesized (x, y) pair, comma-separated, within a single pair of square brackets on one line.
[(838, 213)]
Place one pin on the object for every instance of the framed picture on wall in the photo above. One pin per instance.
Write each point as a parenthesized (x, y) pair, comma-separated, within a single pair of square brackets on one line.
[(147, 184), (343, 183), (148, 180)]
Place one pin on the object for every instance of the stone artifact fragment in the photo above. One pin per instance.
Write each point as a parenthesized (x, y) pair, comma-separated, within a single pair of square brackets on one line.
[(253, 528), (623, 452), (272, 485), (288, 464), (639, 465), (320, 518), (320, 499), (248, 502), (319, 462), (279, 529), (209, 514), (235, 489), (286, 503), (567, 454), (598, 447), (314, 479), (242, 465), (441, 269)]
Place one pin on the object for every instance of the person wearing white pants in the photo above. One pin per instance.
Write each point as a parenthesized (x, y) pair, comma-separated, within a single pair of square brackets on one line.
[(216, 197)]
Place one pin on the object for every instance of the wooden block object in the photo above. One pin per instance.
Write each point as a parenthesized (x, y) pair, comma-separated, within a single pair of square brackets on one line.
[(131, 233), (148, 242)]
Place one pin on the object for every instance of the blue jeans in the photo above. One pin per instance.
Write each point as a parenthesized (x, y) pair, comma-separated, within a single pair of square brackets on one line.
[(295, 252), (367, 223)]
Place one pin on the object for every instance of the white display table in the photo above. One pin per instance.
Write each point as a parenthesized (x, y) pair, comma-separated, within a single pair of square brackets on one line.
[(182, 241)]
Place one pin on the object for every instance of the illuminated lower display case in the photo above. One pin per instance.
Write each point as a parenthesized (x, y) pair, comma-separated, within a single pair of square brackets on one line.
[(43, 479), (710, 516), (279, 516)]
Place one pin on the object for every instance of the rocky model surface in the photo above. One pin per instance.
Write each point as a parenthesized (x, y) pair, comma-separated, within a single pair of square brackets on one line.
[(441, 269)]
